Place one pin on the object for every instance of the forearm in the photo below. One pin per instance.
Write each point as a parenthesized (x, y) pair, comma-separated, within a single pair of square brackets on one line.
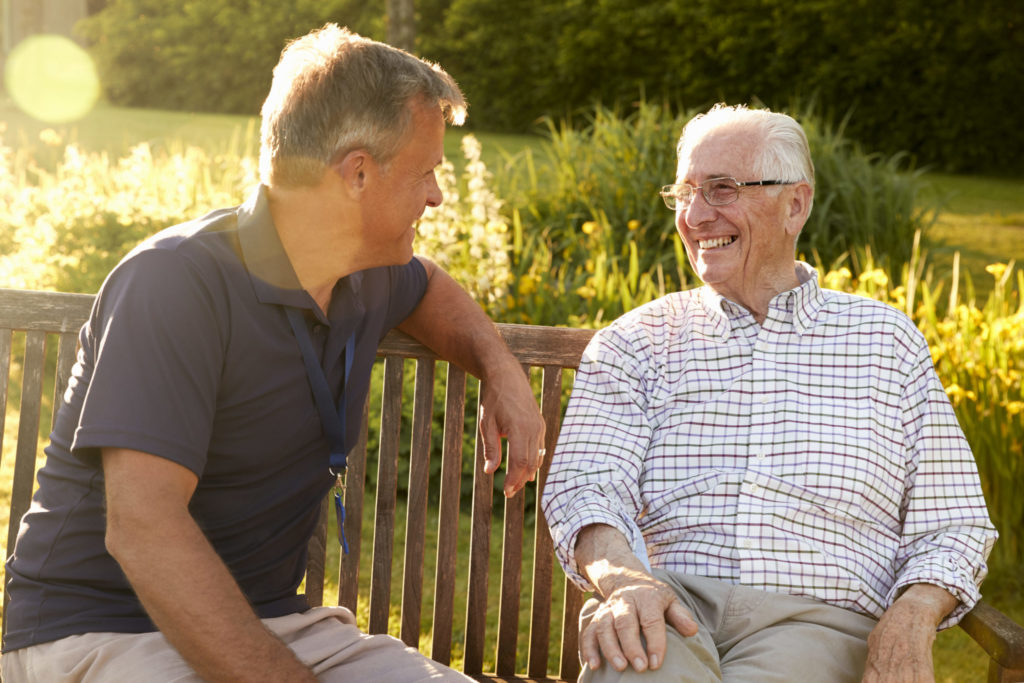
[(191, 597), (182, 583), (452, 324)]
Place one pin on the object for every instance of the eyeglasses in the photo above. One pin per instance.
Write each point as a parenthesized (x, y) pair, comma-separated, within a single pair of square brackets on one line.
[(716, 191)]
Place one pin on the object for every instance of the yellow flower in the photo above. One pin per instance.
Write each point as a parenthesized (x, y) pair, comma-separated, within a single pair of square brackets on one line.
[(633, 225), (996, 270), (590, 227), (954, 391), (527, 285), (1015, 407)]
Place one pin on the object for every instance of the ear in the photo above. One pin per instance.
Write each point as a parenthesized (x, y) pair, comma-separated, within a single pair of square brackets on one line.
[(799, 207), (351, 168)]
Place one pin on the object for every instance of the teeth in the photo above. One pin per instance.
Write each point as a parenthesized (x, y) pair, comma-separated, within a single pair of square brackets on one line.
[(718, 242)]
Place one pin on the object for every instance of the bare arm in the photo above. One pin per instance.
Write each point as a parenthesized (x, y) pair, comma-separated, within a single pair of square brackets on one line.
[(448, 321), (181, 581), (634, 602), (900, 646)]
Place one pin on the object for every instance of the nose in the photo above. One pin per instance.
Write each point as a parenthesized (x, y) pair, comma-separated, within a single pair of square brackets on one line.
[(434, 194), (698, 212)]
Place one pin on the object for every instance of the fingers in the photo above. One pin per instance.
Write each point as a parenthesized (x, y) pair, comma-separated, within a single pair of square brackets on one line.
[(512, 413), (681, 619), (614, 632)]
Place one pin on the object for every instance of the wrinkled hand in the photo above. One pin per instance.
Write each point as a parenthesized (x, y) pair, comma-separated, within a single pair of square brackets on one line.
[(900, 646), (640, 605), (508, 409)]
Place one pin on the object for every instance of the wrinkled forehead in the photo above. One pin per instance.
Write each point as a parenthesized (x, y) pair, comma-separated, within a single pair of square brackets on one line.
[(730, 151)]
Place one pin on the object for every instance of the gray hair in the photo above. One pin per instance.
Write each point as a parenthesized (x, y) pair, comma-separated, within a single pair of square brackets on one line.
[(784, 152), (334, 91)]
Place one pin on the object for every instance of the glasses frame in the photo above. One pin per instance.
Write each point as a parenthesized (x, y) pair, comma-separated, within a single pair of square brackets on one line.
[(669, 193)]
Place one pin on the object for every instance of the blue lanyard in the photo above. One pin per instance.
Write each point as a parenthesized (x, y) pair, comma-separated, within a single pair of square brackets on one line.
[(332, 417)]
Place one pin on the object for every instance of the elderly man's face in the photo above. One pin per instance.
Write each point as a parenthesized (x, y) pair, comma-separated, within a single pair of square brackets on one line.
[(745, 247)]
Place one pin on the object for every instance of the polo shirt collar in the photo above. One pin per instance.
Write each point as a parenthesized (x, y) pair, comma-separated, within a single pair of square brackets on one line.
[(271, 273)]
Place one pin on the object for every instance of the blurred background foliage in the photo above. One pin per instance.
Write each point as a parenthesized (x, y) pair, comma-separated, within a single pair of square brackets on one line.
[(935, 80)]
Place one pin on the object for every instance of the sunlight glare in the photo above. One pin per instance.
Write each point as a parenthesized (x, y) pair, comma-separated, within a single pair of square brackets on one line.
[(52, 79)]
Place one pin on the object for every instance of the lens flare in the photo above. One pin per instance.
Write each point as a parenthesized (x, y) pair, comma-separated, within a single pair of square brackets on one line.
[(52, 79)]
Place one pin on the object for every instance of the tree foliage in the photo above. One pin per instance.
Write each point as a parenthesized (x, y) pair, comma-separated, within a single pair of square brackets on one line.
[(206, 55), (934, 79)]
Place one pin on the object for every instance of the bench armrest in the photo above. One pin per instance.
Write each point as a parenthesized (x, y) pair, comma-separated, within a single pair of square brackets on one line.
[(1000, 637)]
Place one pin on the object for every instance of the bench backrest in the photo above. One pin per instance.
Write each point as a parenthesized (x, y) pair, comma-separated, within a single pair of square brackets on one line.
[(47, 316)]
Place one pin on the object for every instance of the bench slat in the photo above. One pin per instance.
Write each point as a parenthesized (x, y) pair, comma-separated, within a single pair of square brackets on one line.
[(44, 311), (5, 373), (569, 664), (540, 610), (416, 510), (316, 564), (355, 490), (67, 347), (531, 345), (387, 492), (448, 514), (28, 435), (479, 561)]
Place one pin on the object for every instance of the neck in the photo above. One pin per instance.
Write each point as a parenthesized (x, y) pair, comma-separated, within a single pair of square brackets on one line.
[(316, 235), (757, 296)]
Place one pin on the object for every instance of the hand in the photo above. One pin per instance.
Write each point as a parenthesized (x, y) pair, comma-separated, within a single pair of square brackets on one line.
[(508, 409), (900, 646), (640, 604)]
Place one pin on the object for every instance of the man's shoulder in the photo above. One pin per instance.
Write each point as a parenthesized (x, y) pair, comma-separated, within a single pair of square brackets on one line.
[(656, 323), (844, 313)]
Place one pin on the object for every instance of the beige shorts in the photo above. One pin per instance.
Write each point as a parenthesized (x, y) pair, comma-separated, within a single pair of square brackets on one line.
[(746, 634), (324, 638)]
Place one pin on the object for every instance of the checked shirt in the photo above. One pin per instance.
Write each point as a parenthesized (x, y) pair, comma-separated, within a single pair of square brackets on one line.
[(815, 454)]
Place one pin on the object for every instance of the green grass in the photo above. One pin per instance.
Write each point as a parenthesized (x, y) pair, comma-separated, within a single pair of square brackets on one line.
[(982, 218)]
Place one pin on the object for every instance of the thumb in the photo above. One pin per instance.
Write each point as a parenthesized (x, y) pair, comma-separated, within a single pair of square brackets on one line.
[(492, 443)]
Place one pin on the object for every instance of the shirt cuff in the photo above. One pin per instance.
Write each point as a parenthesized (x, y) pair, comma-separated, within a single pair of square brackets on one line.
[(950, 571)]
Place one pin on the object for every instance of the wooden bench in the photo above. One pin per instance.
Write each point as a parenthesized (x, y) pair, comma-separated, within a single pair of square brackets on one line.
[(553, 350)]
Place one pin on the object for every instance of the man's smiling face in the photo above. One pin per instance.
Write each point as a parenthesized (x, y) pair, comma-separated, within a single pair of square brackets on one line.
[(742, 247)]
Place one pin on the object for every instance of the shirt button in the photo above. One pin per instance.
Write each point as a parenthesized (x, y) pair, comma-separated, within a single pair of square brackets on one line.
[(747, 543)]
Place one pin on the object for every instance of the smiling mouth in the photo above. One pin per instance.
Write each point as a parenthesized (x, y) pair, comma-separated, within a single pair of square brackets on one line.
[(717, 242)]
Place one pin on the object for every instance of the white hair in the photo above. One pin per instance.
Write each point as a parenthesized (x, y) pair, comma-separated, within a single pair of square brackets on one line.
[(784, 152)]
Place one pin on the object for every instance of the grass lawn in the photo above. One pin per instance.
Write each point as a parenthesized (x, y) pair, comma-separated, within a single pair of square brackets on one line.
[(982, 218)]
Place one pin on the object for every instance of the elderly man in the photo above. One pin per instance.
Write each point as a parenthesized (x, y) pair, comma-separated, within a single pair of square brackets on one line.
[(219, 387), (762, 480)]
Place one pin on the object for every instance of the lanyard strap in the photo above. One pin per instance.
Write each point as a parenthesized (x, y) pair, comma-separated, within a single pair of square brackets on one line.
[(332, 417)]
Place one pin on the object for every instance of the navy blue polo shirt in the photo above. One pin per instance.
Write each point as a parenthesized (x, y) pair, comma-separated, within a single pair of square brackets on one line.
[(188, 355)]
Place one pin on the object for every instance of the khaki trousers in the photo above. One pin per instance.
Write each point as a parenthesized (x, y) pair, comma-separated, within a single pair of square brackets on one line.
[(324, 638), (745, 634)]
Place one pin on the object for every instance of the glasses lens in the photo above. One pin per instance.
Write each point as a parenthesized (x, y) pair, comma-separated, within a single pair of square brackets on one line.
[(719, 191), (677, 196)]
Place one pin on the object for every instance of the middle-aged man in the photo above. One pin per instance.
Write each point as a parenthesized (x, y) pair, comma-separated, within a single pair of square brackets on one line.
[(770, 468), (206, 417)]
